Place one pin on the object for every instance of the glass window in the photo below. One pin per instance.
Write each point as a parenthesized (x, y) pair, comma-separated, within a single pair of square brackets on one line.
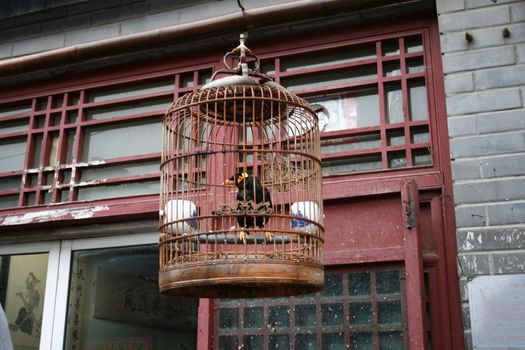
[(114, 303), (12, 154), (354, 311), (22, 287)]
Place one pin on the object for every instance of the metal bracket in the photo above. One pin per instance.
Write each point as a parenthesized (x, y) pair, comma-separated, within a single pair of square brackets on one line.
[(410, 212)]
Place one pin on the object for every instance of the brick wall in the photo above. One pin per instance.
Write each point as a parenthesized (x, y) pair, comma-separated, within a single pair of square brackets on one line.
[(484, 82)]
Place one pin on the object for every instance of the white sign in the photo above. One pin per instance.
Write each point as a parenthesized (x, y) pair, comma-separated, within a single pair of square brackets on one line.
[(497, 311)]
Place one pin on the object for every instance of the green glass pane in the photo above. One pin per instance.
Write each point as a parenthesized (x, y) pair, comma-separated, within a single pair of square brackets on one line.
[(359, 283), (333, 285), (389, 313), (361, 341), (305, 316), (279, 316), (388, 282), (332, 314), (306, 341), (360, 313), (333, 341), (391, 341), (253, 317), (12, 183), (279, 342), (12, 154), (228, 318), (253, 342), (227, 342)]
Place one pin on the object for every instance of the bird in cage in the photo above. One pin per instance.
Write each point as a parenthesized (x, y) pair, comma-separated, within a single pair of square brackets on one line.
[(252, 198)]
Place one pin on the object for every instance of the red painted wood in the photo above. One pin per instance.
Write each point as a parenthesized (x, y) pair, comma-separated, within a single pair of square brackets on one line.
[(415, 293)]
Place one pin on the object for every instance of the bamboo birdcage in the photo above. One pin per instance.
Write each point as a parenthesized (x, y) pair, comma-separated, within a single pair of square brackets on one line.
[(239, 127)]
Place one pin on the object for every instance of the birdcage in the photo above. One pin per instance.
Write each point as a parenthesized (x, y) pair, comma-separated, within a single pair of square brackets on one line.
[(241, 210)]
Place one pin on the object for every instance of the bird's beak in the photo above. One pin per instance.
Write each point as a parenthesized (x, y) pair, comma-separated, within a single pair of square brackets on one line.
[(228, 182)]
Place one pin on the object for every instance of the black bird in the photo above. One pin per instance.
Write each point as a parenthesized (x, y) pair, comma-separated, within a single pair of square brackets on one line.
[(251, 193)]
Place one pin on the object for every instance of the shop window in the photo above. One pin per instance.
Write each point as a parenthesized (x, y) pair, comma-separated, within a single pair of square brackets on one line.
[(22, 287), (355, 310), (114, 303)]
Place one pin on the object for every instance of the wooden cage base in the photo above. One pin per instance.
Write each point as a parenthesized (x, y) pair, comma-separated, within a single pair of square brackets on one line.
[(242, 279)]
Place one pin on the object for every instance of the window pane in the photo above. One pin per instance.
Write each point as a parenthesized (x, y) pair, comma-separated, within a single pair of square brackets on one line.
[(354, 164), (12, 154), (121, 190), (333, 341), (351, 143), (393, 103), (14, 110), (165, 84), (105, 142), (359, 283), (22, 287), (12, 183), (114, 171), (279, 342), (128, 109), (228, 318), (13, 126), (306, 341), (417, 96), (361, 341), (388, 282), (115, 303), (330, 78), (333, 285), (332, 314), (254, 317), (279, 316), (305, 316), (337, 56), (360, 313), (391, 341), (227, 342), (253, 342), (389, 313)]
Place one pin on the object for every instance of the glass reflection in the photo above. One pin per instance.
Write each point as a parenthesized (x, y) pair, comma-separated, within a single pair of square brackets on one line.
[(114, 303)]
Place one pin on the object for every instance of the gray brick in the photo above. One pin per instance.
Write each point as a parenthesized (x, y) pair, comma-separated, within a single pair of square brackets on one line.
[(45, 43), (66, 24), (142, 24), (500, 77), (507, 214), (489, 191), (474, 19), (470, 216), (484, 3), (473, 60), (455, 83), (6, 50), (474, 264), (483, 38), (163, 5), (206, 11), (444, 6), (501, 121), (460, 126), (91, 6), (517, 12), (117, 14), (484, 102), (509, 262), (20, 33), (521, 53), (466, 316), (465, 169), (511, 165), (92, 34), (491, 238), (463, 288)]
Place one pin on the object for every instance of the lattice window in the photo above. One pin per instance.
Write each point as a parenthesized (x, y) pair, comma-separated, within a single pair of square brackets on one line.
[(102, 141), (356, 310), (376, 113)]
